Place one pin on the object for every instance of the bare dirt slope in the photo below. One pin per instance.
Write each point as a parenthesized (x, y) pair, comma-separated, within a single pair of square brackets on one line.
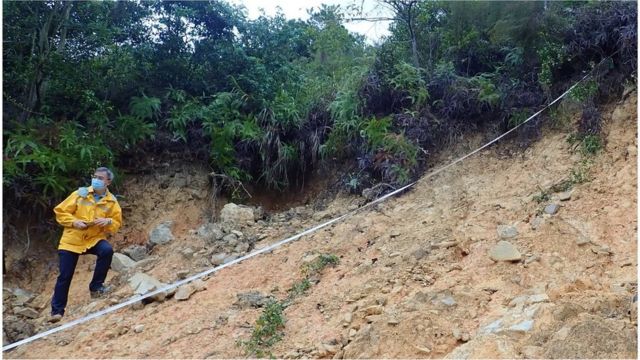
[(415, 278)]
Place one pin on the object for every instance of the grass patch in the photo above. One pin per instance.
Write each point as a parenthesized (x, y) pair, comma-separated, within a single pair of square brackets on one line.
[(268, 330), (589, 145), (543, 196), (299, 288), (580, 174), (270, 325), (319, 263)]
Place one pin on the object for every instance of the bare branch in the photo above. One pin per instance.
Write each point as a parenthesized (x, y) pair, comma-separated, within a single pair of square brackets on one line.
[(371, 19)]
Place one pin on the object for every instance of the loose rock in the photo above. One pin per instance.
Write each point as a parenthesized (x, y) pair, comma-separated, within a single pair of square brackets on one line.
[(121, 262), (253, 299), (136, 252), (26, 312), (237, 214), (551, 209), (138, 329), (161, 234), (142, 283), (505, 251), (210, 233), (184, 292), (507, 231), (564, 196), (218, 259)]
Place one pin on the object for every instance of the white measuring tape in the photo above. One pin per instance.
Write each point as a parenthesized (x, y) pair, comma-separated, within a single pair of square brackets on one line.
[(277, 244)]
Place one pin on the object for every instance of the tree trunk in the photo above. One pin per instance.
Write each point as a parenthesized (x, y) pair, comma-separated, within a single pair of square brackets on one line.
[(41, 51), (414, 49)]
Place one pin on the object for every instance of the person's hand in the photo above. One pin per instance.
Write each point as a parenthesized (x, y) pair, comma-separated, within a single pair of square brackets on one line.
[(102, 222), (78, 224)]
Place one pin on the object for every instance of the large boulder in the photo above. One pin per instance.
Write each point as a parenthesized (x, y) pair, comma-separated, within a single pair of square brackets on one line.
[(210, 233), (136, 252), (238, 215), (142, 283), (122, 262), (161, 234)]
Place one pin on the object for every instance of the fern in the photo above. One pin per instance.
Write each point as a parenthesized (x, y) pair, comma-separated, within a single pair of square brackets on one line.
[(145, 107)]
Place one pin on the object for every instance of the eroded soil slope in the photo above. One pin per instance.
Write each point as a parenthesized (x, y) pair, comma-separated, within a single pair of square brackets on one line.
[(416, 278)]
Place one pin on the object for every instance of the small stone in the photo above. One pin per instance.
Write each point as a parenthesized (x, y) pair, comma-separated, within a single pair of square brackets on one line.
[(237, 233), (330, 349), (138, 329), (230, 258), (393, 321), (582, 240), (373, 310), (601, 250), (551, 209), (448, 300), (536, 223), (26, 312), (123, 330), (252, 299), (565, 196), (184, 292), (507, 231), (505, 251), (348, 317), (242, 247), (524, 326), (420, 253), (423, 350), (182, 274), (230, 239), (187, 253), (394, 233), (444, 244), (218, 259), (21, 296), (199, 285), (531, 259), (352, 332)]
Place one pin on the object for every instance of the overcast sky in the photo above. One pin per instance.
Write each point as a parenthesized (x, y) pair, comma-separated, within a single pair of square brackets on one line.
[(294, 9)]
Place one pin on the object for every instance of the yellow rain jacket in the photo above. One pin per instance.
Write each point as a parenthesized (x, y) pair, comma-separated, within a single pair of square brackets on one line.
[(81, 205)]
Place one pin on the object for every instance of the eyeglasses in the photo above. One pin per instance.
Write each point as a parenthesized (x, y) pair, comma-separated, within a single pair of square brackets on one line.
[(101, 177)]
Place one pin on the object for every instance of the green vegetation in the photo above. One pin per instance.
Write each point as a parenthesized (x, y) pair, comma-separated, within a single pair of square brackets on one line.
[(318, 264), (268, 100), (270, 325), (268, 330)]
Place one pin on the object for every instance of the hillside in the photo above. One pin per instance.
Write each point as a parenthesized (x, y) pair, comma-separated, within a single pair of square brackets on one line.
[(415, 277)]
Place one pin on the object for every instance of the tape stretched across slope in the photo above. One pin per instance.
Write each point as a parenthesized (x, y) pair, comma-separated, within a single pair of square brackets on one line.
[(138, 298)]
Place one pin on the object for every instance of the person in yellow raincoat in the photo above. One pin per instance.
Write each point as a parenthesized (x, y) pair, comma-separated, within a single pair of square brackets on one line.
[(89, 215)]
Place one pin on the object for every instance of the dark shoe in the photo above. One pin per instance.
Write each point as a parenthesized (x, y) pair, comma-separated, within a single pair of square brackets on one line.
[(100, 292), (54, 318)]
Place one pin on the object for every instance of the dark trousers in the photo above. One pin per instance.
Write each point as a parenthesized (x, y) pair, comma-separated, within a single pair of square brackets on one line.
[(68, 262)]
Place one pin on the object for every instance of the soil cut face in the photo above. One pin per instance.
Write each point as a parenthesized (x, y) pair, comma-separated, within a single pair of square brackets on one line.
[(419, 275)]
